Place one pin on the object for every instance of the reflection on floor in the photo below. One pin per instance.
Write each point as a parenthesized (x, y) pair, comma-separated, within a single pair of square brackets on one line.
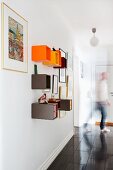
[(86, 151)]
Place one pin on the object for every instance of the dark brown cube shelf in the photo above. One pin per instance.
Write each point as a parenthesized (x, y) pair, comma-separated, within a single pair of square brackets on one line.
[(41, 81), (66, 104), (64, 62), (44, 111)]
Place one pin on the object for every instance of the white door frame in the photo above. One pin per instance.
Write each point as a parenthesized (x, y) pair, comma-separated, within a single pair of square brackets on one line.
[(93, 84)]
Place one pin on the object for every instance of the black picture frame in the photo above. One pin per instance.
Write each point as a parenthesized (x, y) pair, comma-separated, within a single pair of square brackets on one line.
[(62, 75), (55, 84)]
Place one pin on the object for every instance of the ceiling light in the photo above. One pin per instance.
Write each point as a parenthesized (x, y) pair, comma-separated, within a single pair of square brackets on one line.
[(94, 40)]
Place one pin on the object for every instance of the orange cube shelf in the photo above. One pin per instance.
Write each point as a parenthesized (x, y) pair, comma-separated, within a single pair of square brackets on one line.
[(41, 53), (59, 58), (55, 59), (63, 63)]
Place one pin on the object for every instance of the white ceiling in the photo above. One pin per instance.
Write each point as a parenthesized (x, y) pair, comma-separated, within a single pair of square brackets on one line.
[(82, 15), (87, 13)]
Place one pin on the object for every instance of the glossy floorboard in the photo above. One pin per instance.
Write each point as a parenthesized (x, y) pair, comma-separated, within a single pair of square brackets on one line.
[(86, 151)]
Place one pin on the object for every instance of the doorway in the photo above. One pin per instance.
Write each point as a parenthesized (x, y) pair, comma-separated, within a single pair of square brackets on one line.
[(109, 69)]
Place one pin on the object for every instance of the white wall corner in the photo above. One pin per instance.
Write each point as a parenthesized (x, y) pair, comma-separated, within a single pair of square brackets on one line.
[(55, 153)]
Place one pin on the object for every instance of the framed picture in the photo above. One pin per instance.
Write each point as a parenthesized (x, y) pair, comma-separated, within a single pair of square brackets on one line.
[(14, 40), (60, 91), (70, 62), (67, 85), (62, 75), (81, 69), (55, 84)]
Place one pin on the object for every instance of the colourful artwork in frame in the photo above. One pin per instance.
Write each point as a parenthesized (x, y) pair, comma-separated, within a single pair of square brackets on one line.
[(14, 40)]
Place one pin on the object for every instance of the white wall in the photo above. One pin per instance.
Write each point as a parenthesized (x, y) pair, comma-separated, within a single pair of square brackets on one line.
[(27, 143), (82, 87), (85, 94), (76, 90)]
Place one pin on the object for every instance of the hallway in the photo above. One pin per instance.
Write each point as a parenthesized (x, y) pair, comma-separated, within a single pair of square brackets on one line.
[(86, 151), (52, 55)]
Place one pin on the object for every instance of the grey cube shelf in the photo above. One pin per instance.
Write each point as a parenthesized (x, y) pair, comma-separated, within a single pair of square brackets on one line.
[(41, 81), (44, 111)]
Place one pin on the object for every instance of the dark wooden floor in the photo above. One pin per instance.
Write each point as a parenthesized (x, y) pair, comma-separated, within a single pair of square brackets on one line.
[(86, 151)]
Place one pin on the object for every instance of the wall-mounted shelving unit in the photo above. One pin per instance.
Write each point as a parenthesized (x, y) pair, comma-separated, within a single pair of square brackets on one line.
[(63, 59), (55, 60), (51, 58), (49, 111), (41, 81), (66, 104), (55, 101), (45, 111), (41, 53), (64, 62), (63, 104)]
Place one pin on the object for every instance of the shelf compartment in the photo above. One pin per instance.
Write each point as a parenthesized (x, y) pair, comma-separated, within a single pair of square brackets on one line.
[(55, 59), (44, 111), (63, 104), (55, 101), (59, 59), (66, 104), (41, 81), (63, 63), (41, 53)]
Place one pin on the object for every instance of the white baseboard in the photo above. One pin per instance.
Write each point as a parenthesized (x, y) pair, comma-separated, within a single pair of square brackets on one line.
[(55, 153)]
